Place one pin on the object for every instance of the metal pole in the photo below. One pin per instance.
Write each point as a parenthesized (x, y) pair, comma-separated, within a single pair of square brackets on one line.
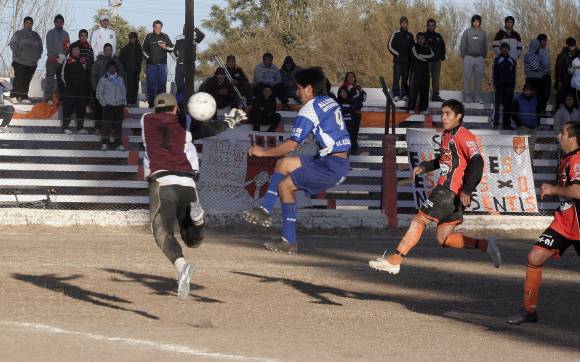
[(189, 52)]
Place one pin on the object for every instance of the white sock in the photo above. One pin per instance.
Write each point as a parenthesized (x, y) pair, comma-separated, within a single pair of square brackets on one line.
[(180, 264)]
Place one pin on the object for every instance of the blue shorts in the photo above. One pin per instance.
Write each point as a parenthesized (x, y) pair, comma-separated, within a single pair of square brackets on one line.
[(318, 174)]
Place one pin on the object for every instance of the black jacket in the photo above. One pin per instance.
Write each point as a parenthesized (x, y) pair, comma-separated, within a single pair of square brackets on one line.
[(238, 75), (179, 49), (504, 71), (563, 62), (131, 57), (265, 107), (400, 44), (420, 58), (153, 52), (223, 93), (76, 75), (435, 41)]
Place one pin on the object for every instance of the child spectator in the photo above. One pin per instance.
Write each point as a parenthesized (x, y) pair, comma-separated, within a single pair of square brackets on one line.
[(98, 70), (524, 110), (76, 80), (348, 114), (220, 89), (112, 96), (421, 55), (504, 81), (263, 111), (287, 73), (357, 97), (566, 113)]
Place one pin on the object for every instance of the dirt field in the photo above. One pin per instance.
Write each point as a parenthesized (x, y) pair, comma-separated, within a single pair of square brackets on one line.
[(95, 295)]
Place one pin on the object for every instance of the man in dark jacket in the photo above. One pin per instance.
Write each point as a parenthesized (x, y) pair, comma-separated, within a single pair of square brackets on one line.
[(435, 41), (179, 56), (156, 45), (263, 111), (511, 37), (220, 89), (563, 77), (240, 79), (421, 56), (84, 46), (76, 78), (504, 81), (131, 57), (400, 44)]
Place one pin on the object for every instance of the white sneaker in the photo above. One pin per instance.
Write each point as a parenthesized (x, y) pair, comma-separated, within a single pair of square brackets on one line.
[(183, 281), (68, 131), (395, 99), (50, 103), (111, 139), (14, 100), (411, 111), (383, 265), (4, 129), (83, 131), (26, 101), (104, 147), (196, 213), (121, 148), (493, 252), (425, 112)]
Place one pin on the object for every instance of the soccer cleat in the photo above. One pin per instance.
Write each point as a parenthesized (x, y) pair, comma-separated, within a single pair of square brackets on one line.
[(257, 216), (68, 131), (493, 252), (196, 213), (104, 147), (523, 317), (183, 281), (14, 100), (25, 102), (121, 148), (383, 265), (283, 246), (395, 99), (83, 131)]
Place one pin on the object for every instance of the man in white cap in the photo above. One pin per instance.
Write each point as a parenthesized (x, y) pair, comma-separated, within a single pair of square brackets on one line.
[(102, 36)]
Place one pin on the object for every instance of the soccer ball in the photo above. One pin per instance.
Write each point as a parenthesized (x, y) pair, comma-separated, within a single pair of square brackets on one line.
[(201, 106)]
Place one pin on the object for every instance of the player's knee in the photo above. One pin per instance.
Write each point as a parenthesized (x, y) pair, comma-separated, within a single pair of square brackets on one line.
[(281, 165), (537, 257)]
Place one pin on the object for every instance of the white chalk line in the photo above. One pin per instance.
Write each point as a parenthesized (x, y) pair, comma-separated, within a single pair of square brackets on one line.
[(133, 342)]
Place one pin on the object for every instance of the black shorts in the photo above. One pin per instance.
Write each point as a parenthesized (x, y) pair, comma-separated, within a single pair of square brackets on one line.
[(443, 206), (552, 240)]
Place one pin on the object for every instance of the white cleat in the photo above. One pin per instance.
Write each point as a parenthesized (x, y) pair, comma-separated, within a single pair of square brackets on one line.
[(493, 252), (183, 281), (196, 213), (383, 265)]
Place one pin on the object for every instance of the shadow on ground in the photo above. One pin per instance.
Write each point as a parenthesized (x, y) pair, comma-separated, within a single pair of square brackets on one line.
[(157, 284), (61, 285)]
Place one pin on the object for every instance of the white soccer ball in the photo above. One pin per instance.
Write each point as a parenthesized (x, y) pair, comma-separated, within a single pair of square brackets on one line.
[(201, 106)]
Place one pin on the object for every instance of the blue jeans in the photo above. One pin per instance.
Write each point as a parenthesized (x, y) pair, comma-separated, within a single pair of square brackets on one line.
[(156, 80), (180, 82)]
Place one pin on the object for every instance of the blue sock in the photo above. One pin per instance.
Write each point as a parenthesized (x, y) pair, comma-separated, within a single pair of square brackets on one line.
[(289, 212), (271, 196)]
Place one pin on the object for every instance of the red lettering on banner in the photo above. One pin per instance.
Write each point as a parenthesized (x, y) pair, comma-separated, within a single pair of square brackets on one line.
[(484, 184), (507, 165), (511, 199), (531, 202), (522, 184), (486, 201)]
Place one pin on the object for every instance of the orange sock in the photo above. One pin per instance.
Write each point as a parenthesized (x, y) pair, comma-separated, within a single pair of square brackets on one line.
[(460, 241), (531, 287)]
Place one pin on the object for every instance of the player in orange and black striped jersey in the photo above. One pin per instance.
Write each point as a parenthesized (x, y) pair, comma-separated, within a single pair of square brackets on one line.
[(461, 167), (564, 231)]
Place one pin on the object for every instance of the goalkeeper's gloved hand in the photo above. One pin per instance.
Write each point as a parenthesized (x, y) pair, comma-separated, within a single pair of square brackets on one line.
[(234, 117)]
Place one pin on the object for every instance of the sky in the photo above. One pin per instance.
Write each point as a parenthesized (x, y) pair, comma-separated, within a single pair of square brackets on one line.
[(144, 12)]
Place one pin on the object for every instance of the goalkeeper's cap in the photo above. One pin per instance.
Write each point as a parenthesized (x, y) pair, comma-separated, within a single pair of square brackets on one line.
[(165, 100)]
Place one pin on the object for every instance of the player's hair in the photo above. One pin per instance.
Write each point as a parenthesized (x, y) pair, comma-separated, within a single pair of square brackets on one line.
[(164, 109), (509, 18), (573, 130), (542, 37), (108, 45), (570, 42), (349, 73), (58, 17), (420, 34), (268, 55), (431, 21), (231, 57), (314, 77), (157, 22), (75, 45), (83, 31), (456, 106), (28, 18)]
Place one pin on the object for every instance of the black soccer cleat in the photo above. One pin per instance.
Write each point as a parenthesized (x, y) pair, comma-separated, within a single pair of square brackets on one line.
[(257, 216), (523, 317), (282, 246)]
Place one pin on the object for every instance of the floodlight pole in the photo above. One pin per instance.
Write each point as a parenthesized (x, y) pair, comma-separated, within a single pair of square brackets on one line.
[(189, 51)]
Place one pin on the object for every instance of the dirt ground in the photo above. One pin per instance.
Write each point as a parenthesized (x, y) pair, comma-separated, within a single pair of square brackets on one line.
[(95, 295)]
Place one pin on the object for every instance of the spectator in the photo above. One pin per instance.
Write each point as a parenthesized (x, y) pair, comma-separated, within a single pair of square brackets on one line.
[(566, 113), (26, 46), (239, 77), (563, 62), (356, 98), (473, 50), (179, 57), (511, 37), (85, 47), (435, 41), (131, 56), (546, 85), (524, 110), (266, 73), (111, 94), (155, 48), (98, 70), (220, 89), (575, 81), (329, 90), (421, 56), (535, 68), (400, 43), (263, 111), (57, 42), (6, 112), (287, 73), (103, 35), (347, 111), (76, 78), (504, 81)]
